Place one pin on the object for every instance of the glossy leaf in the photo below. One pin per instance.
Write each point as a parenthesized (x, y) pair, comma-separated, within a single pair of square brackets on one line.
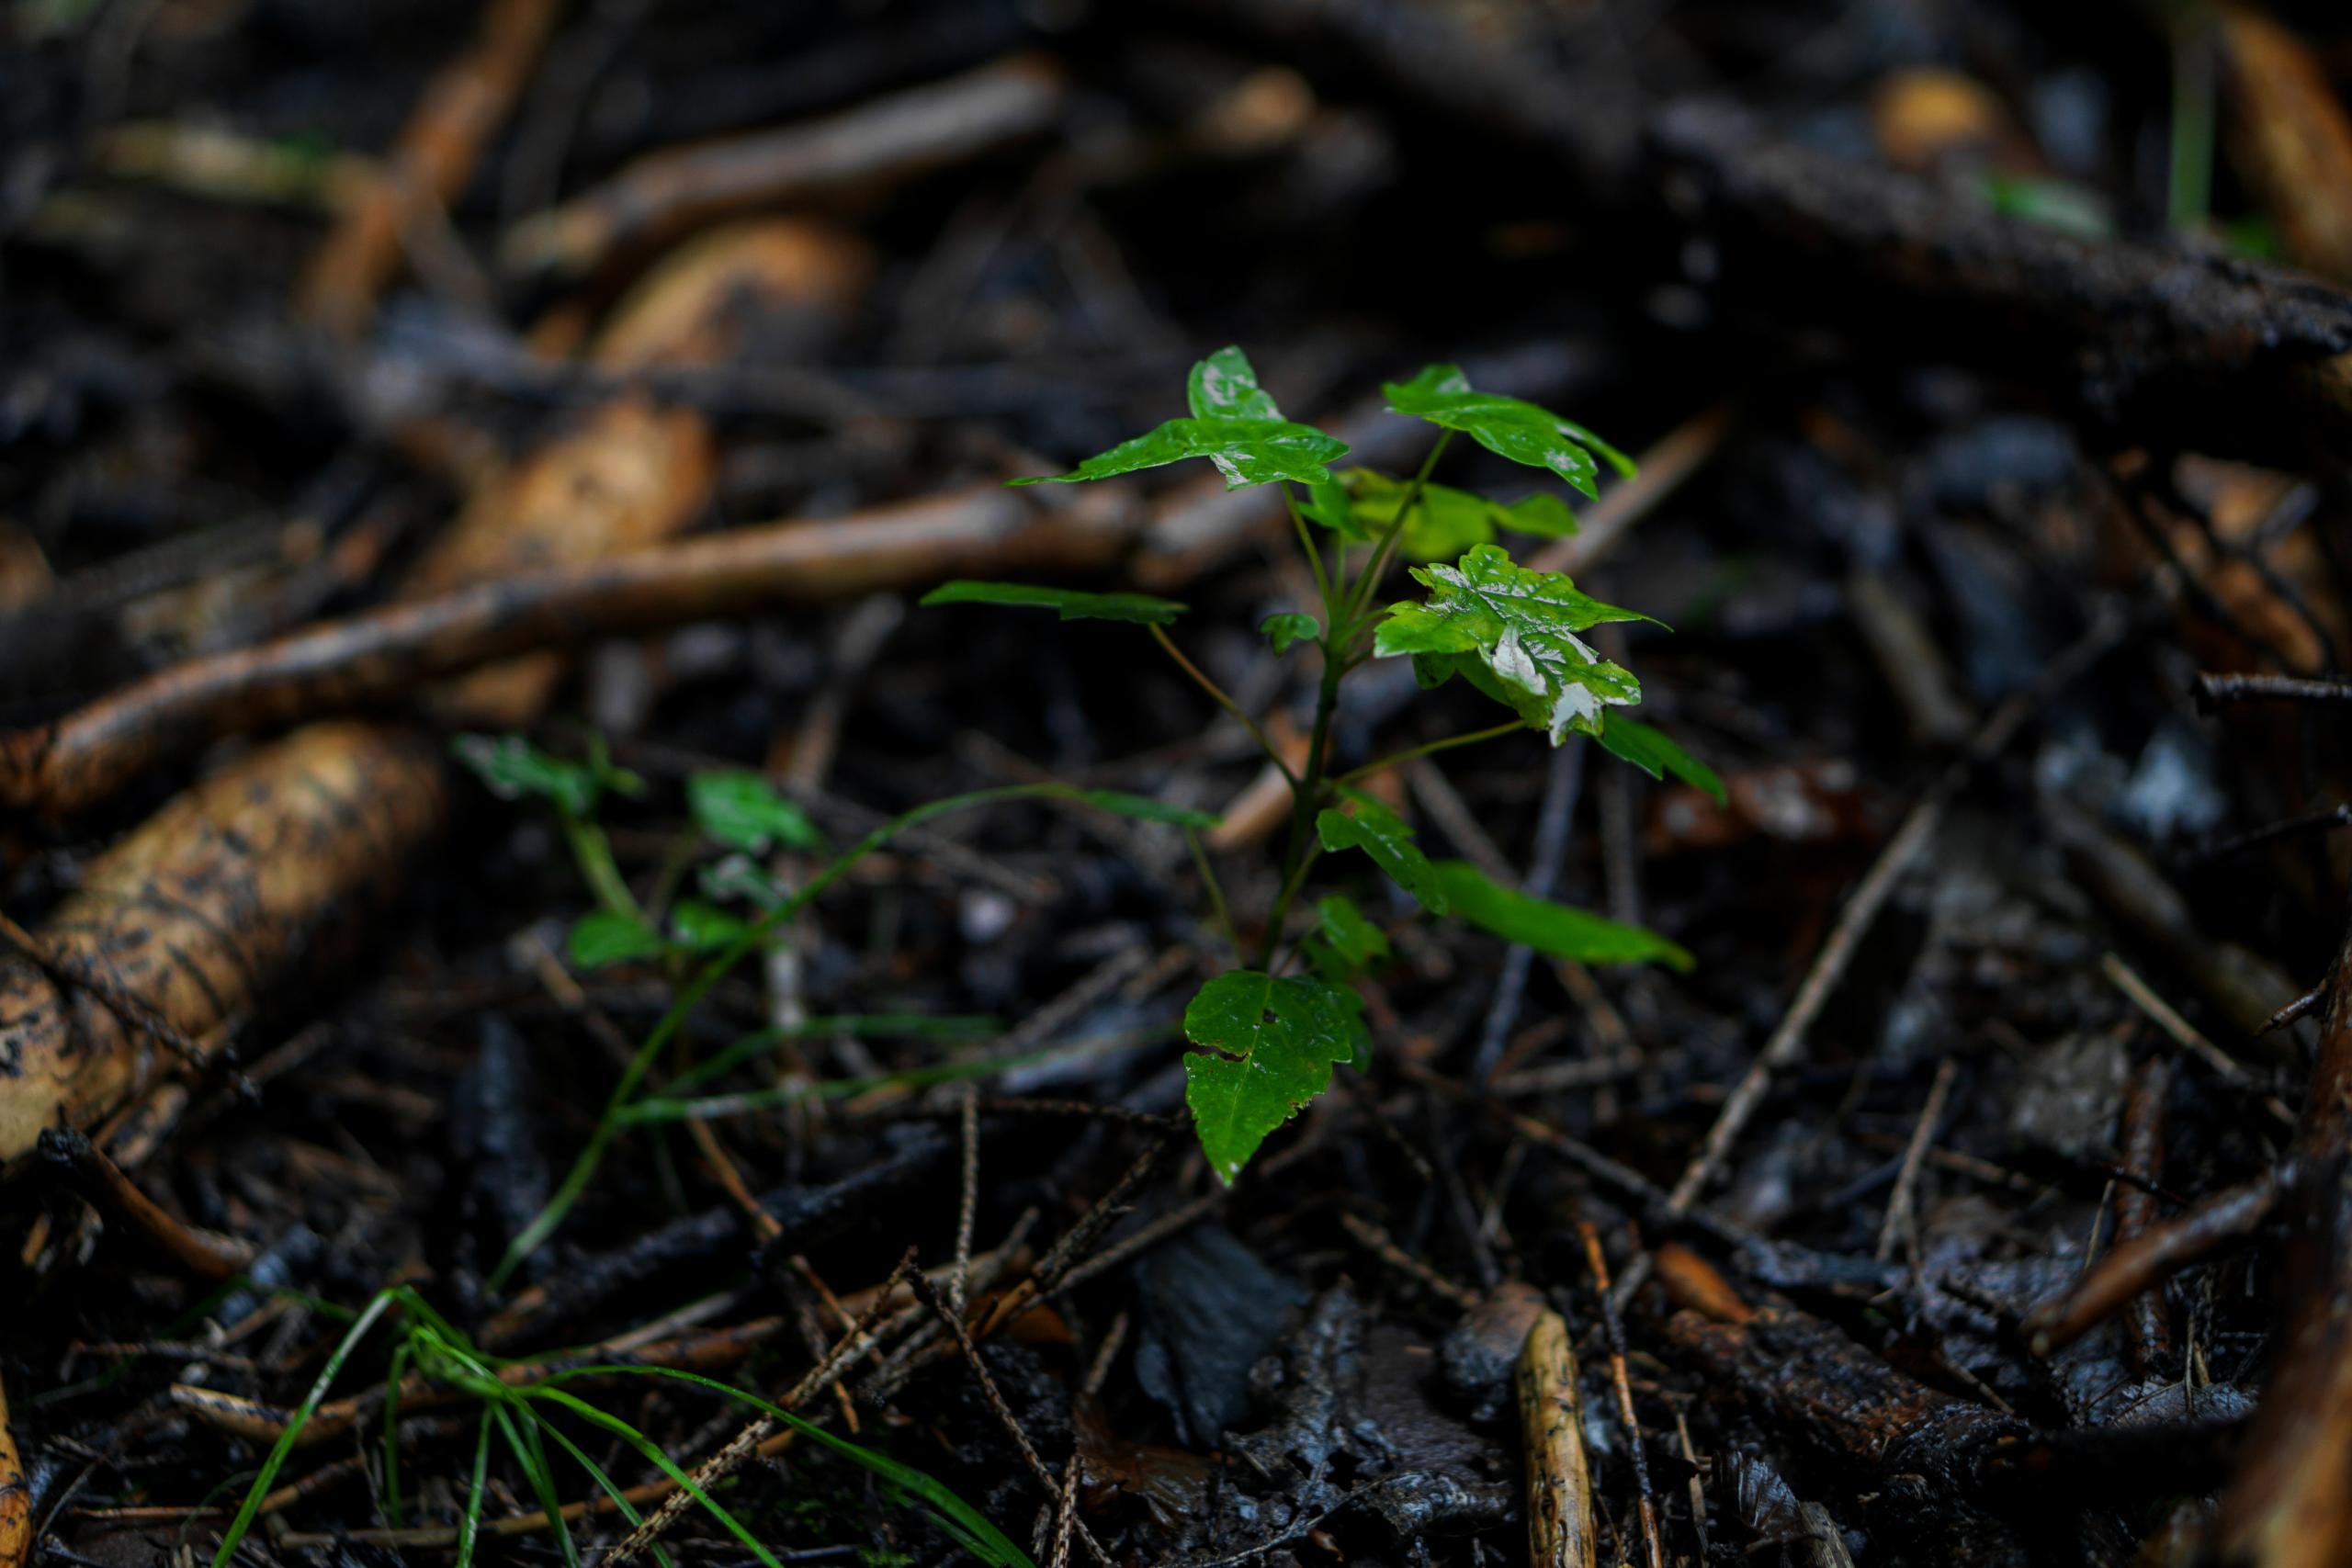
[(1141, 609), (1559, 930), (514, 769), (606, 937), (1508, 427), (1512, 631), (1382, 834), (1276, 1041), (741, 809), (1288, 626), (1651, 750), (1245, 451), (1143, 809)]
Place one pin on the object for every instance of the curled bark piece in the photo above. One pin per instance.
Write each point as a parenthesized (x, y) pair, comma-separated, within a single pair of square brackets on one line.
[(204, 910), (2290, 138), (379, 655), (905, 133), (207, 1254), (696, 305), (1560, 1531), (2147, 1259), (462, 108)]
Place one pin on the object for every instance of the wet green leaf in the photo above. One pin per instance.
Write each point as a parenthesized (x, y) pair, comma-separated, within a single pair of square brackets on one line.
[(1444, 521), (1141, 609), (1286, 1034), (1247, 451), (1508, 427), (1288, 626), (1554, 928), (1225, 386), (741, 809), (1651, 750), (514, 769), (1512, 631), (1382, 834), (1351, 936), (699, 927), (606, 937), (1328, 504)]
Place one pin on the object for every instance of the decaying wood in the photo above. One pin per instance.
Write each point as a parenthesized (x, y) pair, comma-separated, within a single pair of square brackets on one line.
[(2290, 1503), (1561, 1530), (2290, 138), (462, 108), (16, 1494), (891, 137), (204, 910), (629, 474)]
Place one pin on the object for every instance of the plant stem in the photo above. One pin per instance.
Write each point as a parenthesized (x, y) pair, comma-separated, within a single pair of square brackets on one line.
[(1216, 890), (1225, 701), (1377, 567), (1448, 744), (593, 853), (1313, 557), (1306, 798)]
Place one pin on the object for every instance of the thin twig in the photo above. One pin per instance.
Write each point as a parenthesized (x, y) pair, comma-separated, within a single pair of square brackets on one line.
[(1899, 1207), (1614, 1329)]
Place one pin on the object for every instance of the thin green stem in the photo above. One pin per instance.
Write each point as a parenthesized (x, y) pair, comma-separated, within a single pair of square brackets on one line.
[(1314, 556), (1306, 798), (1216, 890), (1283, 901), (593, 853), (1448, 744), (1378, 568), (1160, 636)]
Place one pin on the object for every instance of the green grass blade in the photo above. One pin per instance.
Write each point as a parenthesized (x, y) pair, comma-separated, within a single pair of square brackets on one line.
[(285, 1445)]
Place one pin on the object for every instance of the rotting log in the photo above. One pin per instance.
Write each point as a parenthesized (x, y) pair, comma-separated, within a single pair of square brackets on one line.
[(265, 869), (16, 1494)]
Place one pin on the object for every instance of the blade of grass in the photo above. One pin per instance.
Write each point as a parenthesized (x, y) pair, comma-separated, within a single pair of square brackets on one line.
[(652, 1453), (377, 1307)]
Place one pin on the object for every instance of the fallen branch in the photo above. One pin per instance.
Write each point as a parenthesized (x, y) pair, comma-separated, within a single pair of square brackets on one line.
[(1560, 1529)]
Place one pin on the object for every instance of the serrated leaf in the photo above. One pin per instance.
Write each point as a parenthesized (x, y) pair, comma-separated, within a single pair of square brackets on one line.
[(1521, 625), (1508, 427), (1286, 1033), (1287, 626), (1143, 809), (1141, 609), (604, 937), (1558, 930), (1225, 386), (1247, 451), (705, 928), (1382, 834), (514, 769), (1651, 750), (741, 809)]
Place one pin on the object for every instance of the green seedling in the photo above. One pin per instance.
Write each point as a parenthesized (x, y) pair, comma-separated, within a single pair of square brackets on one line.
[(738, 817), (1272, 1031), (522, 1414)]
